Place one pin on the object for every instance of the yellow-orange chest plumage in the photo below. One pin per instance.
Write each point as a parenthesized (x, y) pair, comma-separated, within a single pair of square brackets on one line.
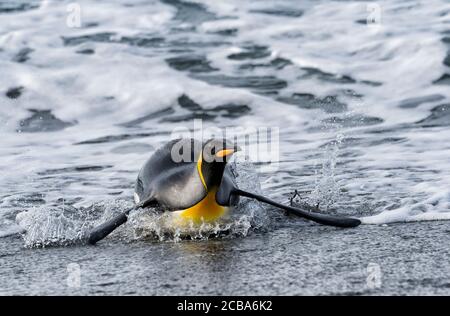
[(207, 210)]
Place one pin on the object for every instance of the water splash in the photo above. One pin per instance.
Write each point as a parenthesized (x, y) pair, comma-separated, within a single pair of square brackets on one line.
[(326, 190), (66, 225), (46, 227), (248, 215)]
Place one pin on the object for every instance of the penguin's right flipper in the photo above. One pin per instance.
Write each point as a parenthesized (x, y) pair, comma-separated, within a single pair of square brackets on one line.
[(103, 230), (149, 202)]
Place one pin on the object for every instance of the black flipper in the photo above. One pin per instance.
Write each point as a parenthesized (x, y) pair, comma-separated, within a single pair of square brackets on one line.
[(228, 194), (324, 219), (224, 195), (103, 230)]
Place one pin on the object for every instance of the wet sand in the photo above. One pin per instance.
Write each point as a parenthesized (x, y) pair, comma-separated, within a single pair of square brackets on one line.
[(293, 259)]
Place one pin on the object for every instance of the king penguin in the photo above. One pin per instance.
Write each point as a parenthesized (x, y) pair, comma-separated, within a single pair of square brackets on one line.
[(183, 177), (191, 180)]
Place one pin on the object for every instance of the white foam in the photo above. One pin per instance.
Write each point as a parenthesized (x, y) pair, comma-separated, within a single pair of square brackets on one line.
[(406, 178)]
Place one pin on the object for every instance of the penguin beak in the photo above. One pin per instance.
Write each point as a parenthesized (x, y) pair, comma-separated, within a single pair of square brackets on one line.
[(224, 153), (227, 152)]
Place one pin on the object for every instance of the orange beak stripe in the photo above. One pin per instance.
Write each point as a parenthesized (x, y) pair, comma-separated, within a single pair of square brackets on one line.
[(224, 153)]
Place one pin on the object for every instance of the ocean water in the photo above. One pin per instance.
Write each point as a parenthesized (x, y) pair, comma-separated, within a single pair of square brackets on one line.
[(359, 92)]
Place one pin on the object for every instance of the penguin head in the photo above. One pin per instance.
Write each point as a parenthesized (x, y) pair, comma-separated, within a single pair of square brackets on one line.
[(215, 154), (218, 151)]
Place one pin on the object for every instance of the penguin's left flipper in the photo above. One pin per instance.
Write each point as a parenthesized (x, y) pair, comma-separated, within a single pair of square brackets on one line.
[(228, 195), (224, 195)]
